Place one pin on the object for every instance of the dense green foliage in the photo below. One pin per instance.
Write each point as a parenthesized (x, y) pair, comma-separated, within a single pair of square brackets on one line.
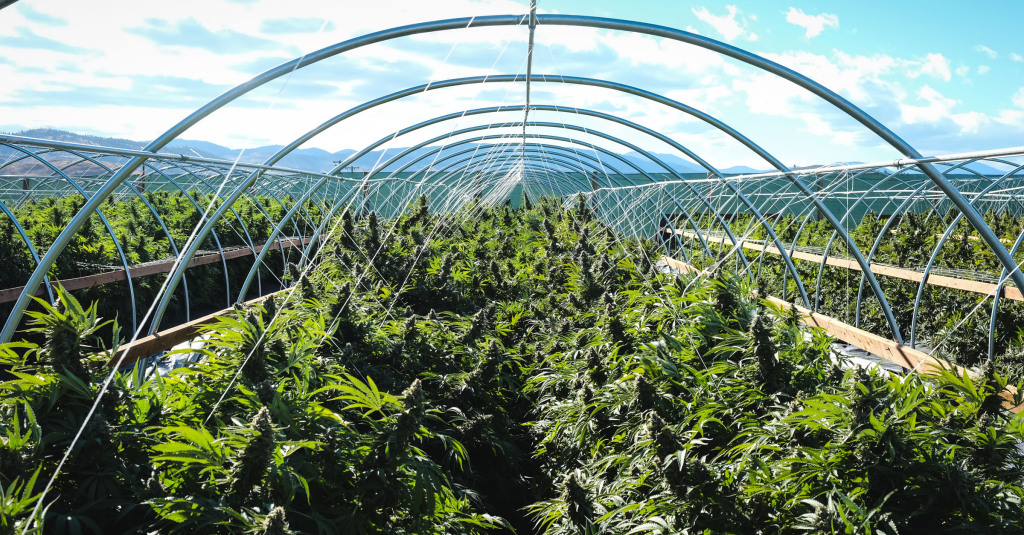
[(953, 322), (142, 240), (493, 370)]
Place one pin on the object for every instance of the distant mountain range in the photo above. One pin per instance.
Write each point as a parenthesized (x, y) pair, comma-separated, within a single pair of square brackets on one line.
[(320, 160)]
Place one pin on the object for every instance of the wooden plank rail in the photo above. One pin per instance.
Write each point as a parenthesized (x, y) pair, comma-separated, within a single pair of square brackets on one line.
[(980, 287), (892, 351), (154, 268), (885, 348), (168, 338)]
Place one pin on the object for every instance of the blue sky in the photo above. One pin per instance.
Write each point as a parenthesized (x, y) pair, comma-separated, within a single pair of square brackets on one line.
[(947, 76)]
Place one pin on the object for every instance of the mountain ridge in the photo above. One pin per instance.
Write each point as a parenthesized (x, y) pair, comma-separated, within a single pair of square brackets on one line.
[(321, 160)]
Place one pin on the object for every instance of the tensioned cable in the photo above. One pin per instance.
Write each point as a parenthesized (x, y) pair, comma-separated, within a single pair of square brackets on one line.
[(529, 71), (362, 275), (163, 288)]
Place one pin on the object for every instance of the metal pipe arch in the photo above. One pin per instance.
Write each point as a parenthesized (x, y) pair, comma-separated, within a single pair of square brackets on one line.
[(500, 109), (938, 247), (595, 168), (307, 59), (710, 44), (593, 147), (28, 243), (596, 148), (976, 220), (156, 215), (103, 220)]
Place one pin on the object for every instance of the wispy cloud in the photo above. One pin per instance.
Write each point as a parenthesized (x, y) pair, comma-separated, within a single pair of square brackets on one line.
[(68, 77), (37, 16), (812, 24), (149, 91), (26, 38), (190, 33), (1013, 117), (934, 65), (295, 25), (726, 25), (992, 54)]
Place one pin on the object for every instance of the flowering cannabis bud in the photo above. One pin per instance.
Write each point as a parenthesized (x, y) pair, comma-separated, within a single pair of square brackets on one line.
[(64, 346), (265, 391), (305, 288), (583, 211), (253, 351), (409, 331), (344, 301), (373, 240), (278, 350), (269, 310), (584, 243), (347, 228), (275, 523), (577, 504), (585, 262), (476, 327), (154, 486), (252, 466), (618, 333), (409, 421), (597, 370), (764, 351), (549, 229), (585, 394), (664, 440), (445, 271), (646, 394), (725, 299)]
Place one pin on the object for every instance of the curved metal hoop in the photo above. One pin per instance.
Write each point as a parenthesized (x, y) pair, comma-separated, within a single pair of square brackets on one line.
[(952, 194)]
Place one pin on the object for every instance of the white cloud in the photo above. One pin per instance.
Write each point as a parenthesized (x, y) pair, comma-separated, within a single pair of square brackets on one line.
[(934, 65), (813, 24), (726, 25), (992, 54), (1016, 57), (1013, 117), (777, 114), (971, 122), (982, 69), (937, 108), (1018, 98)]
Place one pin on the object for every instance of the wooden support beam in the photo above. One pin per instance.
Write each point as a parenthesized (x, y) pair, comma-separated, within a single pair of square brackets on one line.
[(979, 287), (155, 268), (890, 350), (676, 264), (168, 338)]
